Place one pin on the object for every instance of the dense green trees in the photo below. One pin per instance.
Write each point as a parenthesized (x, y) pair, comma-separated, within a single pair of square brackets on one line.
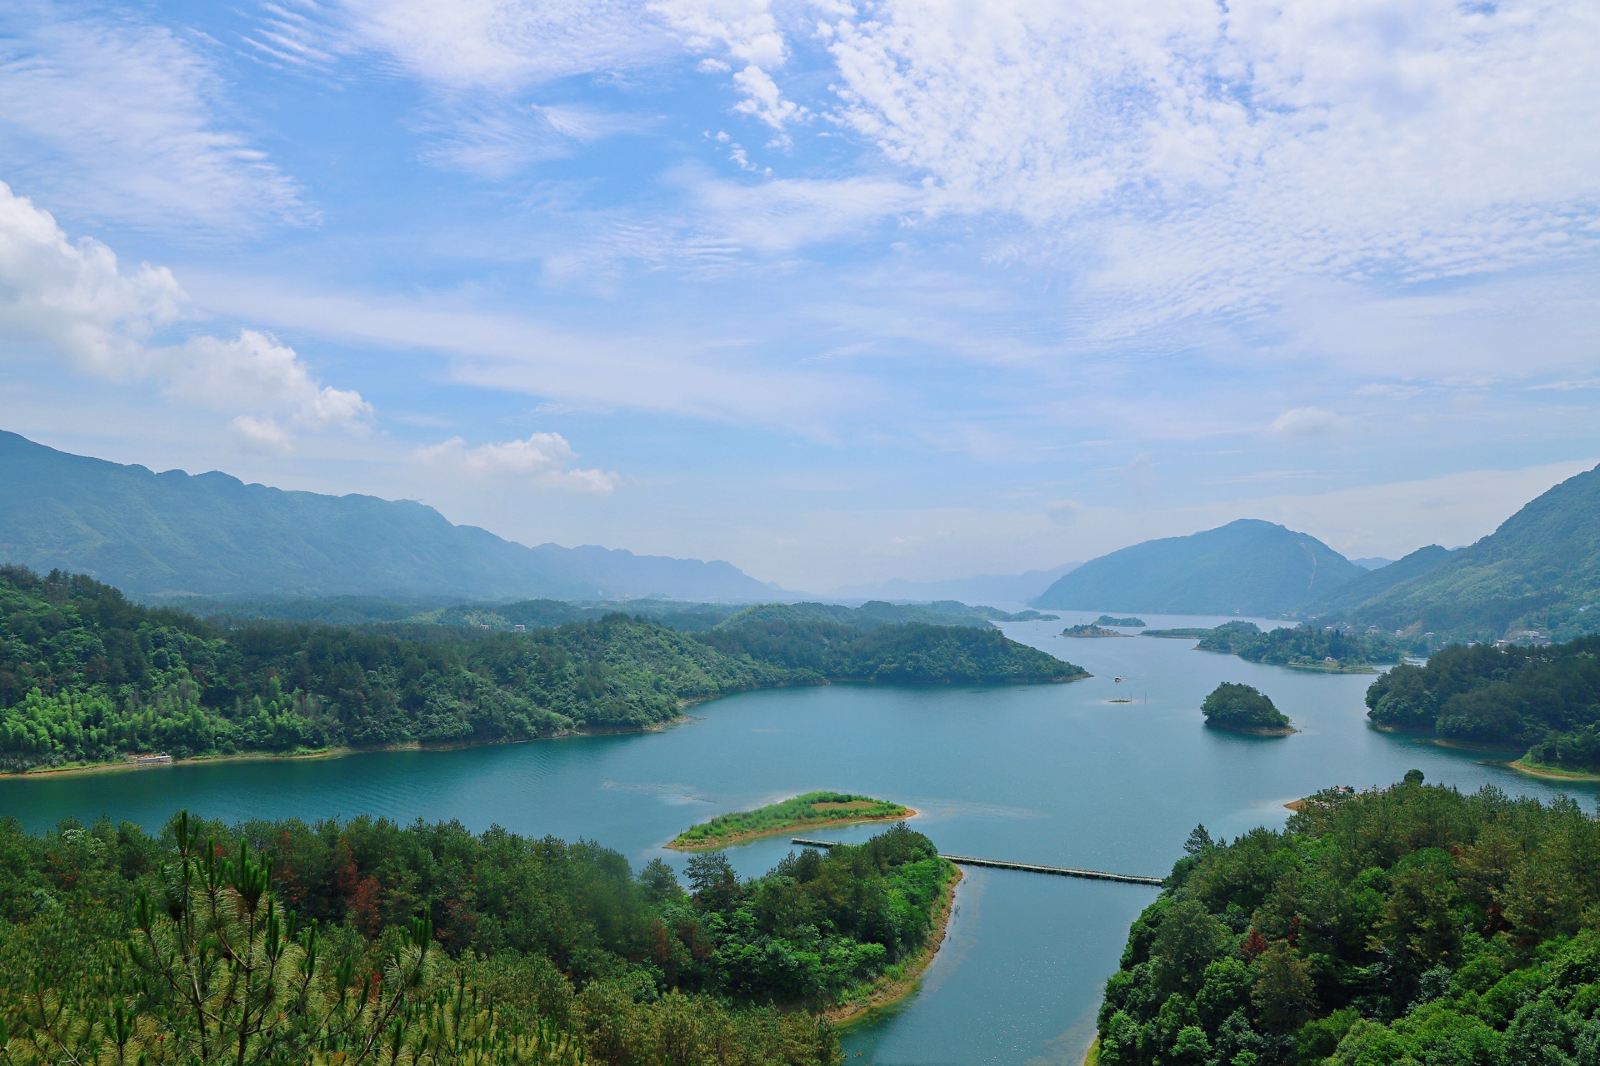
[(365, 942), (1412, 925), (1546, 700), (86, 676), (1243, 709), (913, 653)]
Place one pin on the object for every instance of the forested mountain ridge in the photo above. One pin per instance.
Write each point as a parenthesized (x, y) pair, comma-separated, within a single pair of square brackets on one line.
[(88, 676), (1245, 567), (1540, 570), (212, 535), (1412, 925)]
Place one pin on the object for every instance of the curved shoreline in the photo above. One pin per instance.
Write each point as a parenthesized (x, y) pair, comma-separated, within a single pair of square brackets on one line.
[(886, 992), (904, 814), (1553, 773)]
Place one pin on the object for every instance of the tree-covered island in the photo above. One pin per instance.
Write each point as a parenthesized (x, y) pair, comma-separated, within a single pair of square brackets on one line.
[(1113, 620), (88, 677), (365, 942), (1243, 709), (1308, 647), (1092, 630), (1411, 926), (811, 810)]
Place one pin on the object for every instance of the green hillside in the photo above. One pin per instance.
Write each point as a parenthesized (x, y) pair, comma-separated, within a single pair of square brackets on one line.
[(175, 534), (1245, 567), (1540, 570), (1375, 583)]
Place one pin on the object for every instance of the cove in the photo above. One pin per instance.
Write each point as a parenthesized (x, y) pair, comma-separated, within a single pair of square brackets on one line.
[(1052, 774)]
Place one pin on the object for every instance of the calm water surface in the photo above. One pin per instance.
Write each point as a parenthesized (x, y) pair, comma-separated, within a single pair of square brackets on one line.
[(1049, 774)]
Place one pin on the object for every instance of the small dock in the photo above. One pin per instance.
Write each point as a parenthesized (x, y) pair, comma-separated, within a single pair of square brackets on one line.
[(1022, 867)]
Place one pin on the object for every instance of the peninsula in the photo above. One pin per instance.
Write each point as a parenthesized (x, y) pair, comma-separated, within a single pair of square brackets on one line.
[(811, 810)]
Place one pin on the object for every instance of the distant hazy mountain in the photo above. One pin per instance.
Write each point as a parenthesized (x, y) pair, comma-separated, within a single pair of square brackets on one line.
[(1539, 570), (1245, 567), (984, 588), (1372, 562), (1369, 586), (213, 535)]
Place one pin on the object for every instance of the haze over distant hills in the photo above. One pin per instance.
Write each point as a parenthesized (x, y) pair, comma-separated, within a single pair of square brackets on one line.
[(983, 588), (1540, 569), (1245, 567), (175, 534)]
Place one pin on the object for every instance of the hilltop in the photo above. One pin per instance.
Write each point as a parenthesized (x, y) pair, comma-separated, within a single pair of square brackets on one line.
[(1245, 567)]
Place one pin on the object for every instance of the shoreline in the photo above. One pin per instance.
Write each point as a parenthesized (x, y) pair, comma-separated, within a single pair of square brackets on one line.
[(1553, 773), (751, 835), (1255, 731), (343, 750), (337, 752), (887, 992)]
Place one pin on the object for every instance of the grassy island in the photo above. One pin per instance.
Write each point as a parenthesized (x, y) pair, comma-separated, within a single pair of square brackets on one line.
[(1113, 620), (1243, 709), (811, 810)]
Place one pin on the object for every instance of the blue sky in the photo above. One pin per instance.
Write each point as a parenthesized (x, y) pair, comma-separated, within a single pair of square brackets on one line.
[(836, 291)]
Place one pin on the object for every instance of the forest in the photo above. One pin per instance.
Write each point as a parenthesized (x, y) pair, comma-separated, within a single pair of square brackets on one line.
[(282, 942), (1542, 699), (1304, 647), (88, 676), (1412, 925)]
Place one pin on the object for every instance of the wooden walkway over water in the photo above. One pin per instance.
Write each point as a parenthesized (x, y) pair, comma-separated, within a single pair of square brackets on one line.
[(1024, 867)]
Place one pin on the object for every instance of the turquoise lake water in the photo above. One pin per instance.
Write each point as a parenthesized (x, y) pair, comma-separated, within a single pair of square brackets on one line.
[(1051, 774)]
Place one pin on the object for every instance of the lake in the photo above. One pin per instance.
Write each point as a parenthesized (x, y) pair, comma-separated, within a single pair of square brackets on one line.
[(1051, 774)]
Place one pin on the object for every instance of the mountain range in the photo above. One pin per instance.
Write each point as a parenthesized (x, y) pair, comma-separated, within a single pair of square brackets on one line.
[(1246, 567), (173, 534), (1539, 570)]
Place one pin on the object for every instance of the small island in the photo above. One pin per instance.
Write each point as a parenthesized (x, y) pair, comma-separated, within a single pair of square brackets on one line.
[(1090, 629), (813, 810), (1129, 622), (1243, 709)]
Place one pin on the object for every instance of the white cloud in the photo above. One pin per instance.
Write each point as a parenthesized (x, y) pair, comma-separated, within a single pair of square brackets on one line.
[(61, 298), (1192, 158), (261, 434), (73, 297), (743, 34), (254, 372), (117, 120), (502, 45), (1306, 422), (543, 459)]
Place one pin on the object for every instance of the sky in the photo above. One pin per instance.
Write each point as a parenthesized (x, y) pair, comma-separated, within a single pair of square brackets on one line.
[(836, 291)]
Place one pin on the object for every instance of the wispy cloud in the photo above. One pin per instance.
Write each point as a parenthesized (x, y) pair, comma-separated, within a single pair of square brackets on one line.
[(118, 120)]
